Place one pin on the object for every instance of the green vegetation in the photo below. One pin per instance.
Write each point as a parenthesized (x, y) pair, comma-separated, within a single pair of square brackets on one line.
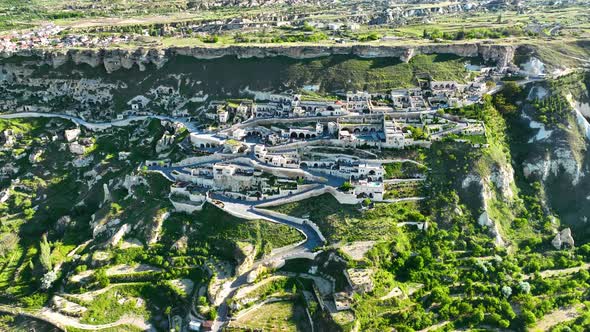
[(378, 75), (403, 170), (582, 323), (302, 37), (477, 33), (403, 190), (346, 223), (278, 316), (450, 270), (113, 304), (119, 328), (552, 110), (143, 300), (214, 231)]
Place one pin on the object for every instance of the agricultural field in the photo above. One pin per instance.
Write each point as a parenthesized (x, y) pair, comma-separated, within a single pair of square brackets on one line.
[(278, 316)]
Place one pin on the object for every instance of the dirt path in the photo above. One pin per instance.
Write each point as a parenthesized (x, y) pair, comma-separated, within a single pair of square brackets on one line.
[(89, 296), (395, 292), (435, 327), (556, 317), (63, 320), (556, 273), (75, 250)]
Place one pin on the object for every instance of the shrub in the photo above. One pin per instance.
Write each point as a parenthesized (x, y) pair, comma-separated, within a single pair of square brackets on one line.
[(346, 186)]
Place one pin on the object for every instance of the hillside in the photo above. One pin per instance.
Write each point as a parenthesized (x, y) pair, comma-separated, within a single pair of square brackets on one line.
[(294, 165)]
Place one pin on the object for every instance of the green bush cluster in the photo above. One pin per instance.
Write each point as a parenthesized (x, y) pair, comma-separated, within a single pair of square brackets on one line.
[(479, 33)]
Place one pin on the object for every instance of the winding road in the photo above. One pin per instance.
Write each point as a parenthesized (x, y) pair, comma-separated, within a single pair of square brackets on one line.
[(250, 210)]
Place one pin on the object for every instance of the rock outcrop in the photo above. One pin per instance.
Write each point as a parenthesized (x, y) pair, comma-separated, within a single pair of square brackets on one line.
[(483, 185), (560, 161), (115, 59), (502, 177), (484, 220), (563, 239)]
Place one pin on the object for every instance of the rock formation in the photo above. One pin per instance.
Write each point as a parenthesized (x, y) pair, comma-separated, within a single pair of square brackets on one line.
[(563, 239), (114, 59)]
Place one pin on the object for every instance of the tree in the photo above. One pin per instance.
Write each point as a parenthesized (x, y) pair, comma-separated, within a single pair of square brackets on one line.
[(48, 279), (308, 27), (511, 90), (100, 276), (436, 34), (373, 36), (440, 295), (417, 132), (415, 263), (460, 34), (503, 105), (211, 39), (45, 253), (524, 287), (477, 317), (29, 213), (490, 84), (346, 186), (213, 314), (504, 323), (528, 317)]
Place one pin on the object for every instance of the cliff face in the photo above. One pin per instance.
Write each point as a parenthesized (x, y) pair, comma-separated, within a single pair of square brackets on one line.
[(115, 59), (554, 153)]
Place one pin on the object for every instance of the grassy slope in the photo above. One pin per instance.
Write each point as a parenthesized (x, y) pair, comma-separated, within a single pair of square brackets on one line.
[(279, 316), (346, 223), (219, 232)]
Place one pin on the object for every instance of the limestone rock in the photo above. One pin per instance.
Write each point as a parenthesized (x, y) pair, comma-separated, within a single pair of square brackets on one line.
[(556, 242), (72, 134), (63, 223), (502, 177), (115, 59), (107, 193), (563, 239), (560, 160), (181, 244), (484, 219), (76, 148), (114, 240)]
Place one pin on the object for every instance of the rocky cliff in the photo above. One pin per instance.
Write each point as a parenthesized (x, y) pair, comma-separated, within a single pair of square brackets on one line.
[(115, 59), (550, 146)]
